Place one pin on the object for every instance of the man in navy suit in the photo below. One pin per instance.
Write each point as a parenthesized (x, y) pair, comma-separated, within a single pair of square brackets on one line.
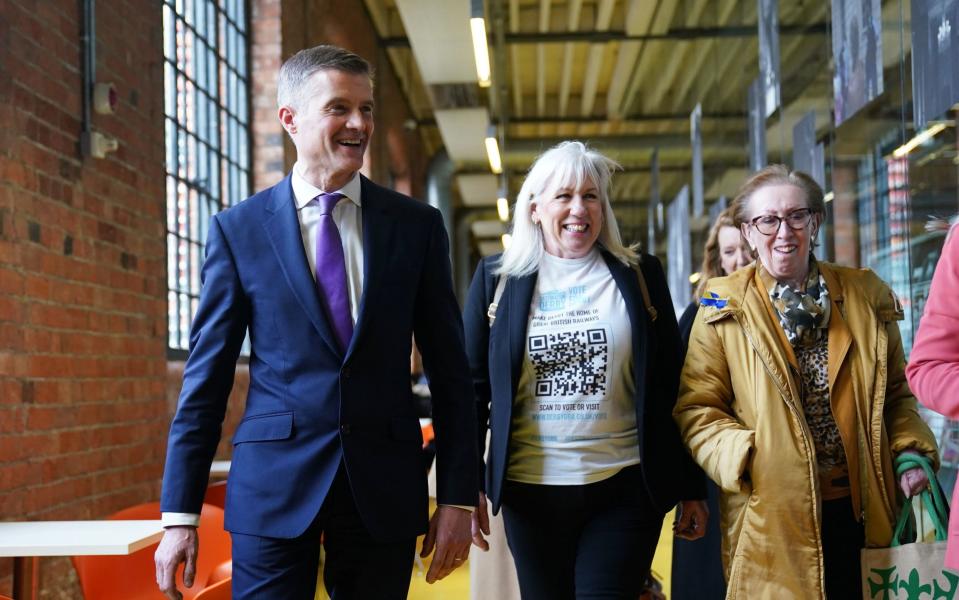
[(332, 275)]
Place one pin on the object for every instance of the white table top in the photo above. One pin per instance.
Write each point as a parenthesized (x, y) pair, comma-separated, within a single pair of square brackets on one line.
[(77, 538), (220, 467)]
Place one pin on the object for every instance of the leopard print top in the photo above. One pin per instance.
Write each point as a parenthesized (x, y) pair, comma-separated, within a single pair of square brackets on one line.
[(830, 454)]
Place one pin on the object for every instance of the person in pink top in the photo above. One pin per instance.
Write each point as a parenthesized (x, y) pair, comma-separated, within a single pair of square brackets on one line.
[(933, 369)]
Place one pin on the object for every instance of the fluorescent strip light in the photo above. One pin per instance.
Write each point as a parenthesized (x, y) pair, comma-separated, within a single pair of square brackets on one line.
[(828, 197), (492, 153), (480, 51), (507, 239), (695, 277), (919, 138), (502, 207)]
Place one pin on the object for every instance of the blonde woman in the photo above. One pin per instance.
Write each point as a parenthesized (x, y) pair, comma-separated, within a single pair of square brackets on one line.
[(576, 380)]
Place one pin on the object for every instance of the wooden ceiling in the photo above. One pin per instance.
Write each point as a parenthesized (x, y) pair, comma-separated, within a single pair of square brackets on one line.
[(624, 75)]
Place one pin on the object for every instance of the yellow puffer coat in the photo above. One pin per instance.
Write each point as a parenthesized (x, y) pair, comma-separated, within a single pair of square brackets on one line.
[(740, 414)]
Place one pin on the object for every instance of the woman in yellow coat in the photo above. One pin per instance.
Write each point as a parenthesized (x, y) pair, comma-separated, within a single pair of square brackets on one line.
[(794, 401)]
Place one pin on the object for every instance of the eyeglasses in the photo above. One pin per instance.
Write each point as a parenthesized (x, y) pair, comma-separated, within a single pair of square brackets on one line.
[(769, 224)]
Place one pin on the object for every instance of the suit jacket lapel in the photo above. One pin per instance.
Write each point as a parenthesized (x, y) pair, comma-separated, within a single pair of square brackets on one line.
[(519, 294), (840, 338), (759, 321), (626, 280), (378, 230), (283, 228)]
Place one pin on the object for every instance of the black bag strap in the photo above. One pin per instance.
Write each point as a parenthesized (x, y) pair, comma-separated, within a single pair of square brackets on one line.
[(645, 292), (497, 294)]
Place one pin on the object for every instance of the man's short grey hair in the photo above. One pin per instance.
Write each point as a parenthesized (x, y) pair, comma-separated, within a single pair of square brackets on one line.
[(298, 69)]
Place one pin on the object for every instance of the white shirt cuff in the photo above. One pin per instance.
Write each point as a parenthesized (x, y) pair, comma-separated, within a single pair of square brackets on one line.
[(464, 507), (171, 519)]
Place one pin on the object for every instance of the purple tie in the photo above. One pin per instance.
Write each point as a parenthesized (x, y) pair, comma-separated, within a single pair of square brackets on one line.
[(331, 271)]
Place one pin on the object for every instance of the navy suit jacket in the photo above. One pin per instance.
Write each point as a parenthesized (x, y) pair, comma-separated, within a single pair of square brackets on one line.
[(496, 359), (310, 406)]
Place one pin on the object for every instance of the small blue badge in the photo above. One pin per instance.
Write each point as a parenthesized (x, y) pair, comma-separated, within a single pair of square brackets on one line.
[(714, 300)]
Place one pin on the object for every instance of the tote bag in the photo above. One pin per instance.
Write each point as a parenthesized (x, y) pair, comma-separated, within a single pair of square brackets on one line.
[(912, 568)]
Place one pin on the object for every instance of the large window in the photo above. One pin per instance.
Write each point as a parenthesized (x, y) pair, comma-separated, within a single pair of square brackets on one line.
[(206, 74)]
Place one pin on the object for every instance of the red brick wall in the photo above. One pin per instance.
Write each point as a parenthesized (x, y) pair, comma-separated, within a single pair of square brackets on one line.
[(266, 42), (845, 217), (397, 157), (82, 271), (86, 391)]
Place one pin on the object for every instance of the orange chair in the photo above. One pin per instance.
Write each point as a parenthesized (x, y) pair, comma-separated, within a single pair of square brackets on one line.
[(428, 434), (216, 494), (133, 577), (222, 571), (217, 591)]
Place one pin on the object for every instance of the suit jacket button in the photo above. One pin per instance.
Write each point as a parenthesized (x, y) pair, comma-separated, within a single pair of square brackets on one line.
[(345, 429), (346, 372)]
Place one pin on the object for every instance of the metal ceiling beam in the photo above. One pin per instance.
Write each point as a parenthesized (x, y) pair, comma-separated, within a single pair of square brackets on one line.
[(537, 144), (572, 24), (594, 63), (645, 169), (686, 95), (590, 120), (544, 18), (633, 64), (517, 87), (678, 34), (676, 63)]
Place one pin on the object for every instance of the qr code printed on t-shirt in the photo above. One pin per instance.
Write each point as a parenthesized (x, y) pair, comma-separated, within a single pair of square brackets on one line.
[(570, 363)]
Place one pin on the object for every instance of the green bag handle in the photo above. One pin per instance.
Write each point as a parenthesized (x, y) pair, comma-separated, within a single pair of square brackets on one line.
[(931, 497)]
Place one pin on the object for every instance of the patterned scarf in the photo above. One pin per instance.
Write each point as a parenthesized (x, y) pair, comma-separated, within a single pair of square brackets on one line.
[(804, 316)]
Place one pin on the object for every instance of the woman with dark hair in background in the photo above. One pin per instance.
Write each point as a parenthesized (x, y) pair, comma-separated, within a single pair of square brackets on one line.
[(725, 252), (697, 566)]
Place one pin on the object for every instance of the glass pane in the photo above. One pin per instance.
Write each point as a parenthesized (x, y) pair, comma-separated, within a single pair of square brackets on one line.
[(205, 79), (170, 143), (169, 96), (195, 262), (241, 15), (173, 330), (169, 33), (210, 21)]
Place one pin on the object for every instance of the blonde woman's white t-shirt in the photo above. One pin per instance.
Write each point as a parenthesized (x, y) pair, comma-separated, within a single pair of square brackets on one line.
[(574, 418)]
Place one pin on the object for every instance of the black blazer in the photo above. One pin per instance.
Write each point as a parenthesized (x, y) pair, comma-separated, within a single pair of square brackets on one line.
[(496, 357)]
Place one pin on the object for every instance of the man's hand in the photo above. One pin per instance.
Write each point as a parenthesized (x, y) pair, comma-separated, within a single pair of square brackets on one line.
[(691, 523), (480, 524), (450, 533), (179, 545)]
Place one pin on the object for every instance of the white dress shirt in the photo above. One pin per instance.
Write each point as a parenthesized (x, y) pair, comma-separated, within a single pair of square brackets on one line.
[(349, 220)]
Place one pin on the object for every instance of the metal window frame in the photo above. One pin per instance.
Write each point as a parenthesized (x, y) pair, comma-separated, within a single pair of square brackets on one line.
[(207, 139)]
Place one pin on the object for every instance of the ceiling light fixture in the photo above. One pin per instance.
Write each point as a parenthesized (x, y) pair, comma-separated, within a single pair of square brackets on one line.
[(507, 239), (480, 46), (919, 138), (492, 151), (502, 200), (502, 208)]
